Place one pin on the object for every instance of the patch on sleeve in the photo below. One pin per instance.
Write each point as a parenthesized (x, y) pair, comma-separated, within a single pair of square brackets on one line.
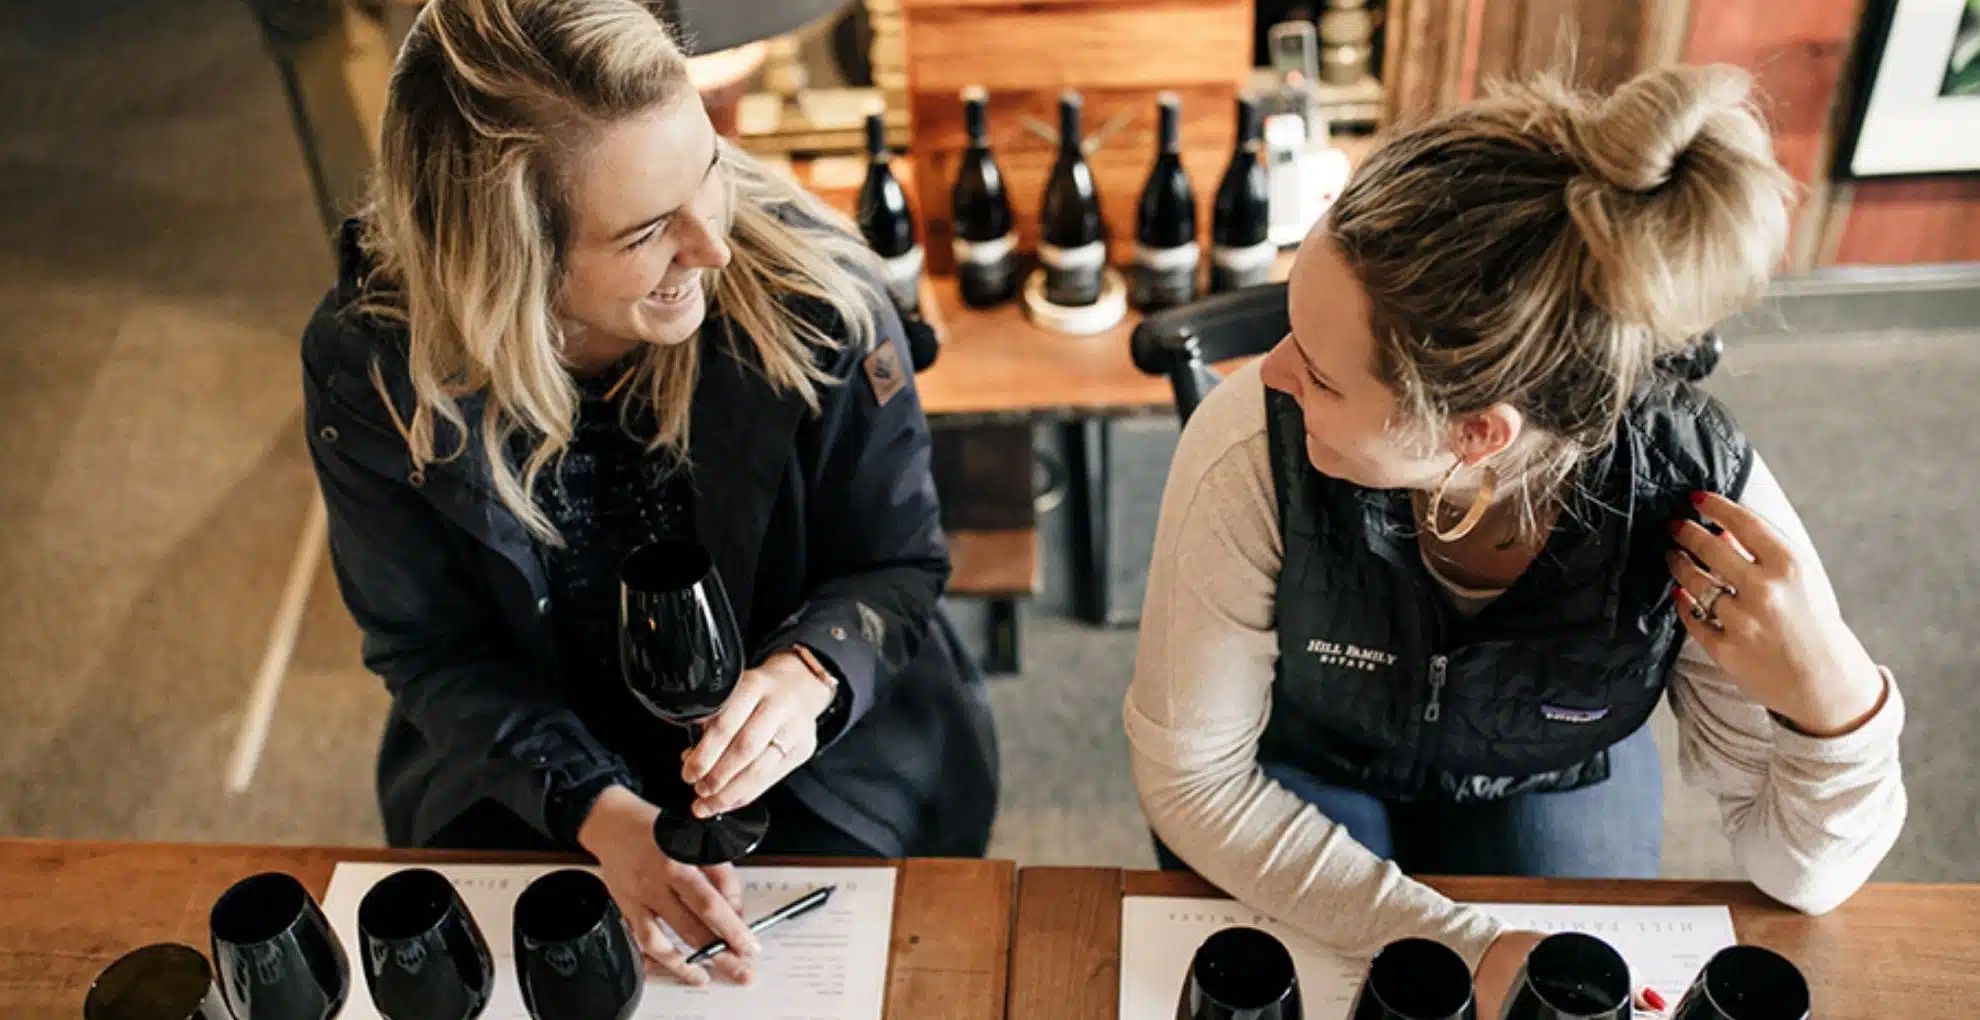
[(884, 372), (871, 626)]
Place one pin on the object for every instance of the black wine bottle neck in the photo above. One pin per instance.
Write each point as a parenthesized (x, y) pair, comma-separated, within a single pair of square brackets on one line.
[(976, 120), (1250, 127), (1069, 127), (1169, 132), (876, 138)]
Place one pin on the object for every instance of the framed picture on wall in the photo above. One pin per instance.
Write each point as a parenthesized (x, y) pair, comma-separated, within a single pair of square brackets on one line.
[(1915, 99)]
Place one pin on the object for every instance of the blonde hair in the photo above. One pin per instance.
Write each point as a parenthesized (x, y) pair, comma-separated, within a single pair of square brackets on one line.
[(470, 216), (1543, 247)]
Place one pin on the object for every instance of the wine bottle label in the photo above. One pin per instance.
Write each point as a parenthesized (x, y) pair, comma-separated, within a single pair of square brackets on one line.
[(984, 252), (1072, 275), (987, 270), (903, 277), (1235, 268), (1086, 256), (1165, 277)]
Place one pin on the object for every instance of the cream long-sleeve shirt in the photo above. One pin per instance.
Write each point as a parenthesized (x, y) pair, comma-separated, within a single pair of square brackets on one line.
[(1808, 818)]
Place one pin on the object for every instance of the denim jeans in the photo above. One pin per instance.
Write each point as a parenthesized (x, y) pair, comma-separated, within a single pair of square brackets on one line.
[(1612, 829)]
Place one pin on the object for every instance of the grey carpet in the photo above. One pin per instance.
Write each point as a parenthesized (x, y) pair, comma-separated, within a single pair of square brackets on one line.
[(158, 253)]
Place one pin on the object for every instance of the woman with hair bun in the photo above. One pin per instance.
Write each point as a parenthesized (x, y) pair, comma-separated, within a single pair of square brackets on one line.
[(573, 321), (1424, 571)]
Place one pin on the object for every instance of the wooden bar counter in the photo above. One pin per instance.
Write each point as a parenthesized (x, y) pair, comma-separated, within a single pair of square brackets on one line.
[(1909, 951), (69, 908)]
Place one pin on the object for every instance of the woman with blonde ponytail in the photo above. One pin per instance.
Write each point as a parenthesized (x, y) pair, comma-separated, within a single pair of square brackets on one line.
[(1425, 570), (573, 321)]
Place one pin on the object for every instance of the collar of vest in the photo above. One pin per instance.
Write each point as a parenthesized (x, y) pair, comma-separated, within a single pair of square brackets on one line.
[(1572, 589)]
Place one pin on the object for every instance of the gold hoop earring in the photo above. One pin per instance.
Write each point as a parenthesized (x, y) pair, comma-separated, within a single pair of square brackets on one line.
[(1486, 486)]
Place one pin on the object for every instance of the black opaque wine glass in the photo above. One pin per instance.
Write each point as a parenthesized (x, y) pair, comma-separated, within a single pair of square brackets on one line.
[(574, 955), (682, 655), (276, 955), (166, 981), (1571, 976), (1416, 979), (1746, 983), (424, 957), (1241, 974)]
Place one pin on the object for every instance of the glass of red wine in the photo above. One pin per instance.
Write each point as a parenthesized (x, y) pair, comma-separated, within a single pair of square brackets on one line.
[(682, 655), (1571, 976), (1416, 979), (166, 981), (1241, 974), (1746, 983)]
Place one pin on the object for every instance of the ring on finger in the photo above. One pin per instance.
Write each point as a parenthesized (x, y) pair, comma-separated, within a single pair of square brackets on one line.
[(1703, 608), (778, 746)]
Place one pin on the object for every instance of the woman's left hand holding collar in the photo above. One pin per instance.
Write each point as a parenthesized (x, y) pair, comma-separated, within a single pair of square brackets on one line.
[(764, 732), (1771, 622)]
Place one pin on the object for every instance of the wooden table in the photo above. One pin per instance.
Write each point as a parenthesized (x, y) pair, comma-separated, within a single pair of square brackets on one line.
[(67, 909), (1909, 951)]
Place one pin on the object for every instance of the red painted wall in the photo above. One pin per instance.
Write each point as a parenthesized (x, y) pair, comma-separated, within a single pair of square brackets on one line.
[(1796, 50)]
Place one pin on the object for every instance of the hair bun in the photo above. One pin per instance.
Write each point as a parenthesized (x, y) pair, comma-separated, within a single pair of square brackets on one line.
[(1633, 139)]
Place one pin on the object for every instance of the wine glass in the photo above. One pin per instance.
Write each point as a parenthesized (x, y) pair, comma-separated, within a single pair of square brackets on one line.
[(1571, 976), (1416, 979), (574, 955), (277, 957), (682, 655), (1746, 983), (424, 957), (166, 981), (1241, 974)]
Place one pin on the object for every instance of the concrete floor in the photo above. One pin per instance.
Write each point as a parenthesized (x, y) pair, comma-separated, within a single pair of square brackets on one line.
[(159, 252)]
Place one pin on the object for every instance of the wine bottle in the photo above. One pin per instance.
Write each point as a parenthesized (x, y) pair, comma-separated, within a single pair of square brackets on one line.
[(888, 223), (1240, 224), (1165, 252), (986, 238), (1071, 246)]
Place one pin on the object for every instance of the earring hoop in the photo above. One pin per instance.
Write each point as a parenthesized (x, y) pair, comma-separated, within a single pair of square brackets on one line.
[(1472, 516)]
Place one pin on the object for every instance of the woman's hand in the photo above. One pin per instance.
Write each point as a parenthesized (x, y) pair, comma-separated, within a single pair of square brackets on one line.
[(768, 728), (699, 904), (1499, 968), (1775, 627)]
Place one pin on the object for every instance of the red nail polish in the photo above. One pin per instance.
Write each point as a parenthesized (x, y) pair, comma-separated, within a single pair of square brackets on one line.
[(1697, 497), (1674, 526), (1653, 1000), (1677, 589)]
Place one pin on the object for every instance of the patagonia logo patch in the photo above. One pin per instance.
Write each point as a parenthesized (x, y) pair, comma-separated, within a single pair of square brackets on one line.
[(1557, 713), (884, 373)]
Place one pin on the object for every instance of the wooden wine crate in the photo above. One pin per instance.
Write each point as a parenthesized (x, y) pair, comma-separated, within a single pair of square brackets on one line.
[(1119, 54)]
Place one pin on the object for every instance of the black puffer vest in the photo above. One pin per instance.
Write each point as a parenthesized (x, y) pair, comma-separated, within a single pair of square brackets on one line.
[(1383, 687)]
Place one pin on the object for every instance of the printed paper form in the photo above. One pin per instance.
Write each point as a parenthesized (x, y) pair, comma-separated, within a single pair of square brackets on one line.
[(1665, 947), (830, 964)]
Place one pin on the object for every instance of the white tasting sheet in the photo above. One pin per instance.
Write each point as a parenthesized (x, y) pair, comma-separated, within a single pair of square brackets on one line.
[(1665, 947), (830, 964)]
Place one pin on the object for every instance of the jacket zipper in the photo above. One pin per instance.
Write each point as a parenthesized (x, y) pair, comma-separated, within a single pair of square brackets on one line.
[(1432, 724), (1435, 709)]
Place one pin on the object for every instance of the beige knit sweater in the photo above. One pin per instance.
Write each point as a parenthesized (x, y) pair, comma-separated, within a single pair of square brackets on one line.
[(1808, 818)]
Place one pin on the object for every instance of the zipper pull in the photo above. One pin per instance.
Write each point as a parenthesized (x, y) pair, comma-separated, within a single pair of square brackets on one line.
[(1435, 709)]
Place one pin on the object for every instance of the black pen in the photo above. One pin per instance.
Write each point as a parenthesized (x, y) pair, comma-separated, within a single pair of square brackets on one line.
[(796, 908)]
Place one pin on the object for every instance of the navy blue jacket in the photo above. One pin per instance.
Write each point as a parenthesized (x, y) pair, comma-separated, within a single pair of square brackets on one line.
[(825, 529)]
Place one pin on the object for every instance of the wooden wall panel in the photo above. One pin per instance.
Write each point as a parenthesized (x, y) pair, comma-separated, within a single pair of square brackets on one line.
[(1118, 53), (1425, 57), (1799, 53), (1599, 43), (1899, 222), (1796, 52)]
